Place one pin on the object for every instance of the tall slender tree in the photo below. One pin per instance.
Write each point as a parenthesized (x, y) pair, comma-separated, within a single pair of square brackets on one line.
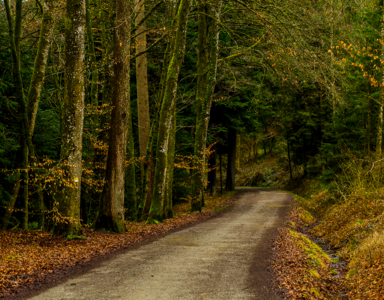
[(111, 215), (71, 148), (167, 111), (142, 78), (208, 47), (14, 28)]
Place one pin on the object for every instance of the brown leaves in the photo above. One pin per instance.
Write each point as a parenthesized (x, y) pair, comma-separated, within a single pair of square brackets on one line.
[(300, 271), (29, 258)]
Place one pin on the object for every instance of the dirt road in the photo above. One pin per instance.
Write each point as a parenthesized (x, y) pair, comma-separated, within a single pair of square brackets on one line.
[(223, 258)]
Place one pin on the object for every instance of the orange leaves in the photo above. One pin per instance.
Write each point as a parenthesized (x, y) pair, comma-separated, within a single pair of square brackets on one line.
[(30, 257)]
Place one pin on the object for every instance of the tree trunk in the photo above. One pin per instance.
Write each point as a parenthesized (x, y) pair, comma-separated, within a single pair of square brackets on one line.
[(167, 111), (14, 27), (40, 64), (142, 81), (92, 58), (37, 81), (111, 216), (148, 165), (130, 180), (212, 173), (231, 169), (168, 207), (208, 48), (71, 148)]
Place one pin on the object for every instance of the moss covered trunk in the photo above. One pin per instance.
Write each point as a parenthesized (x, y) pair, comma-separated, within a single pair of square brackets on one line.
[(208, 46), (167, 111), (168, 202), (71, 148), (130, 180), (111, 216), (40, 64)]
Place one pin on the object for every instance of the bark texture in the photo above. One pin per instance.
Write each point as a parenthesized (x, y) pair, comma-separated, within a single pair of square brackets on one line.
[(167, 111), (208, 45), (142, 79), (92, 57), (168, 203), (71, 149), (111, 215)]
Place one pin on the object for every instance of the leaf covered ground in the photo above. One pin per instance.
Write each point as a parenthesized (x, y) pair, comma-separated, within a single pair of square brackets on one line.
[(31, 258), (302, 269)]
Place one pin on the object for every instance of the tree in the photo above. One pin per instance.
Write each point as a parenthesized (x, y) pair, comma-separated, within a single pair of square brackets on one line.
[(68, 222), (208, 50), (111, 215), (167, 111)]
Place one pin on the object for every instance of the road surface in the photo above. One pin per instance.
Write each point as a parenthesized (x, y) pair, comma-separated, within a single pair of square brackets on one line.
[(223, 258)]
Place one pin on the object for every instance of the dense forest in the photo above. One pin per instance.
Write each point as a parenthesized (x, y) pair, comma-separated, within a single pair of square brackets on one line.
[(115, 111)]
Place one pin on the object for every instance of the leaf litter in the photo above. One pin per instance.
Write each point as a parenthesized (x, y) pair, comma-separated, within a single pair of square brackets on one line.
[(30, 258)]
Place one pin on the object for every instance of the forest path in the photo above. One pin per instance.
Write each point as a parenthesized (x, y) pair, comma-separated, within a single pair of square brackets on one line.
[(223, 258)]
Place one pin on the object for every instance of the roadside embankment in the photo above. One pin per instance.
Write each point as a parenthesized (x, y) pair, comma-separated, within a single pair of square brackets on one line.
[(332, 244)]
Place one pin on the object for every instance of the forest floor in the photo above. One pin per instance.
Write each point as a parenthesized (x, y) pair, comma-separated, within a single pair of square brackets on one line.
[(30, 260), (226, 257)]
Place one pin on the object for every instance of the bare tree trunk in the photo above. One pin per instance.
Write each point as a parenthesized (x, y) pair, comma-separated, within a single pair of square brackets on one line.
[(167, 111), (71, 148), (111, 216), (208, 47)]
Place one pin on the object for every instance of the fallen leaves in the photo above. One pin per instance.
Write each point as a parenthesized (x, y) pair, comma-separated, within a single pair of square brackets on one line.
[(30, 258), (301, 270)]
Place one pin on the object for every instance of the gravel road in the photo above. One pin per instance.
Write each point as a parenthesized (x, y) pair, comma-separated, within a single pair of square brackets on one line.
[(223, 258)]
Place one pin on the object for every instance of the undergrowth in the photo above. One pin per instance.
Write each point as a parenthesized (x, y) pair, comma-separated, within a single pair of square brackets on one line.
[(348, 213), (350, 217)]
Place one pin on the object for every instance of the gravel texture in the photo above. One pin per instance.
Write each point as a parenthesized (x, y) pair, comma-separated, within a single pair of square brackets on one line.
[(226, 257)]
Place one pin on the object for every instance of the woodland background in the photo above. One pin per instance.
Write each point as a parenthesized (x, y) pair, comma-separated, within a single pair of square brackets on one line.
[(118, 110), (119, 113)]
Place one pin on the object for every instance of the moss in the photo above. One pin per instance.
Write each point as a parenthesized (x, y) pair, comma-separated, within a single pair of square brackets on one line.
[(350, 274), (315, 254), (306, 217), (316, 292), (314, 273)]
